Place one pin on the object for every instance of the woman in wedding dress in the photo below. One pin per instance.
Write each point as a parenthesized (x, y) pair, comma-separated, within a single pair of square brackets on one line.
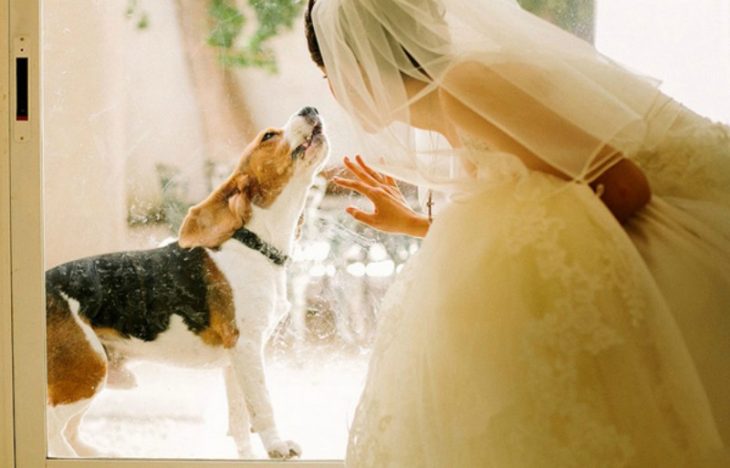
[(570, 303)]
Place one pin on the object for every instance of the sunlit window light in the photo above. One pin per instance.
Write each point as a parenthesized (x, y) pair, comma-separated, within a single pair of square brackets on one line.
[(356, 269), (686, 45), (380, 269)]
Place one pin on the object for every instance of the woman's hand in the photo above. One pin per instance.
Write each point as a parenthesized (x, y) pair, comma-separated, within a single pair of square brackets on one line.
[(391, 211)]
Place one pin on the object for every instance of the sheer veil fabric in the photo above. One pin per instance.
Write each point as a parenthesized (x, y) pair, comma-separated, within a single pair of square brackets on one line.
[(532, 329), (545, 85)]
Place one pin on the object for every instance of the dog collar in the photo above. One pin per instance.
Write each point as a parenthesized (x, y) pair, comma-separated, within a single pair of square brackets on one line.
[(253, 241)]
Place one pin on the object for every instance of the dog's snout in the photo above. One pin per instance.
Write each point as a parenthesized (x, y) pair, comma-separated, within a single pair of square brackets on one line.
[(309, 112)]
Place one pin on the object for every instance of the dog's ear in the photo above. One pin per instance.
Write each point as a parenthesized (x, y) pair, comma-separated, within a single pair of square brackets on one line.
[(215, 219)]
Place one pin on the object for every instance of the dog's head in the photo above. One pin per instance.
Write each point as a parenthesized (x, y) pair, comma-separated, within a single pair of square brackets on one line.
[(274, 159)]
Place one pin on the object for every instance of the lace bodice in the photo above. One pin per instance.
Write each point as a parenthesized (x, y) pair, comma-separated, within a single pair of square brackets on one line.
[(685, 154), (490, 165)]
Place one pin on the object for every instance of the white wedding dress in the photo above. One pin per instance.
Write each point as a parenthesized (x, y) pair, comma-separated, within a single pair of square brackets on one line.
[(533, 330)]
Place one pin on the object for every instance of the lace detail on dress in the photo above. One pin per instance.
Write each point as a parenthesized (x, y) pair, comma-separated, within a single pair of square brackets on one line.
[(391, 311), (491, 166), (693, 162), (370, 429), (557, 417)]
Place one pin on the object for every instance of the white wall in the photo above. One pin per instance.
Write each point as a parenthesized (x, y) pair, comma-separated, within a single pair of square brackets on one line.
[(161, 117), (119, 100), (684, 43), (83, 166)]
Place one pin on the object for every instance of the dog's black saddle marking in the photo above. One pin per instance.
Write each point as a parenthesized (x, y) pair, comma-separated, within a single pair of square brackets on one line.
[(136, 292)]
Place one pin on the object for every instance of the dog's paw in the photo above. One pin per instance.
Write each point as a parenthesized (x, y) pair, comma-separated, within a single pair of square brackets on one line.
[(283, 450)]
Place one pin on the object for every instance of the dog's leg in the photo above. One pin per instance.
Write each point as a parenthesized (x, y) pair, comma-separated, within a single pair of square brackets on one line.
[(57, 418), (239, 425), (71, 433), (63, 430), (248, 365)]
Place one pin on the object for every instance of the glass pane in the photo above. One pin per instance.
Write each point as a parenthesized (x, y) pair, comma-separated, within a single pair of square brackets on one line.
[(148, 106)]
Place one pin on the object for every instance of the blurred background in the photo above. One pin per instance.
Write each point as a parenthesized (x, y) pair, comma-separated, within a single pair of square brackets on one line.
[(148, 104)]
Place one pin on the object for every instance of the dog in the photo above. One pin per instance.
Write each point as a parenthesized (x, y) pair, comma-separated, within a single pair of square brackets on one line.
[(210, 299)]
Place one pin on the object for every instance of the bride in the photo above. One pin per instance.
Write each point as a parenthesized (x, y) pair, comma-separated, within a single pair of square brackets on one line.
[(570, 303)]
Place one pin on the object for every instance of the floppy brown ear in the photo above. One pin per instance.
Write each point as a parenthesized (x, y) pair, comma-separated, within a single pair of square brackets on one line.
[(215, 219)]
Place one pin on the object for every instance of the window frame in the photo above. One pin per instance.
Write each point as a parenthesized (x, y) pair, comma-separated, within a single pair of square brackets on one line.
[(22, 321)]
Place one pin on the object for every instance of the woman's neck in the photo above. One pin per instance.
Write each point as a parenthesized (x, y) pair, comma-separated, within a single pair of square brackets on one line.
[(427, 113)]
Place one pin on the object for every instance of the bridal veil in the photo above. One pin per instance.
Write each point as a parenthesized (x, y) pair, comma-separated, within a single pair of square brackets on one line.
[(549, 91)]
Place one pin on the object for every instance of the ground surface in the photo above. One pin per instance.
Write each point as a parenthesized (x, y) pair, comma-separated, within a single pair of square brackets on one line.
[(181, 413)]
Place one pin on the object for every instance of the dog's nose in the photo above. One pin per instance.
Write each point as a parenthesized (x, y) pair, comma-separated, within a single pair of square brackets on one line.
[(308, 111)]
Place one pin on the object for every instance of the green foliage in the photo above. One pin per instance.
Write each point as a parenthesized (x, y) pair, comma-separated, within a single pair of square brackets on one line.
[(575, 16), (134, 13), (238, 49), (227, 24), (229, 33)]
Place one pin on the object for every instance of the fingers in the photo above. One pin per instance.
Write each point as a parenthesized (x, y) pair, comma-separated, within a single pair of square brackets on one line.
[(369, 170), (367, 218), (367, 174), (356, 185), (360, 172)]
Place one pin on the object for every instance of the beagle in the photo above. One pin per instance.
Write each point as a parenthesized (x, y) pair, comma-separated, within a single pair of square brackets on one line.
[(210, 299)]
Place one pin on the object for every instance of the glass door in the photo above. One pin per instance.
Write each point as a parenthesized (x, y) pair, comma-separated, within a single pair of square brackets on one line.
[(124, 113)]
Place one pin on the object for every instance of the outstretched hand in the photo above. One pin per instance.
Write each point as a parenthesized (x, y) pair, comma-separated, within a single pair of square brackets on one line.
[(391, 212)]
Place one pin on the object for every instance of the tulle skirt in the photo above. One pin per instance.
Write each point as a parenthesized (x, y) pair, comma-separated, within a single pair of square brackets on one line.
[(531, 331), (683, 236)]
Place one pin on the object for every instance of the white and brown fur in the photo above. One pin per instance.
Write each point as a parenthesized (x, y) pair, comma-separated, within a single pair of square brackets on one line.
[(243, 294)]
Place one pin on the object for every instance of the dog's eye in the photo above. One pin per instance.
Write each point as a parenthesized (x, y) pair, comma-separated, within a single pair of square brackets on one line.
[(268, 136)]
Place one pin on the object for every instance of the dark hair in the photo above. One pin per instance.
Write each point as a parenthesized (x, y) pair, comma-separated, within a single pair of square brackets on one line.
[(316, 53), (312, 42)]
